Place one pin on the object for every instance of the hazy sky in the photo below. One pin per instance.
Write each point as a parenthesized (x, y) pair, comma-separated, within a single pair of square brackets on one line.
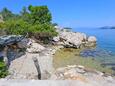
[(73, 13)]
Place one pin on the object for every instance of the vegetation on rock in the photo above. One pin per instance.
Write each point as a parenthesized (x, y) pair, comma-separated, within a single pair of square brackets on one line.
[(3, 69), (36, 20), (7, 14)]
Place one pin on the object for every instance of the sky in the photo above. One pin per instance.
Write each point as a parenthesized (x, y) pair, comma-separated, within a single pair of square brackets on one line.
[(71, 13)]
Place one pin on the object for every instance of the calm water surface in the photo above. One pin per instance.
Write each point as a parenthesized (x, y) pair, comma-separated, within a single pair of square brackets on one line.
[(104, 51), (105, 41)]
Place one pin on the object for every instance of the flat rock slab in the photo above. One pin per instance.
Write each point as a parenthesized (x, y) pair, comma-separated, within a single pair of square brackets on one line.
[(24, 67), (48, 83)]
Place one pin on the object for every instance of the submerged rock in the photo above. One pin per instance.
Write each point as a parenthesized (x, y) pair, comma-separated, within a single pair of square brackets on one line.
[(95, 53)]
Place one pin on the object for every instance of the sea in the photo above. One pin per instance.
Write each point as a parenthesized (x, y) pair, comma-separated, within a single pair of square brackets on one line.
[(105, 48)]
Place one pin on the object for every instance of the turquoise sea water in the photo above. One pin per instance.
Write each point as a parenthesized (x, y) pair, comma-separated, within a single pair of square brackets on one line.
[(105, 42)]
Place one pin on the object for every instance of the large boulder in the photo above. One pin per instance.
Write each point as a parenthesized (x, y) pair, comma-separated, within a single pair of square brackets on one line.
[(72, 39), (9, 49)]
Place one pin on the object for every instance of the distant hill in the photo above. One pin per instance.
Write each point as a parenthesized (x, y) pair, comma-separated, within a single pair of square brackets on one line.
[(108, 27)]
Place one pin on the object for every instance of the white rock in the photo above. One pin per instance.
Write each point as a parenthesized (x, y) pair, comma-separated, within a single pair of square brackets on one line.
[(35, 48), (73, 39), (80, 66), (109, 78), (56, 39), (71, 66), (80, 70), (33, 41), (92, 39)]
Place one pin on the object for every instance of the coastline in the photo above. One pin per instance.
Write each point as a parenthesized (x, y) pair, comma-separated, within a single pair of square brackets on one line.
[(23, 67)]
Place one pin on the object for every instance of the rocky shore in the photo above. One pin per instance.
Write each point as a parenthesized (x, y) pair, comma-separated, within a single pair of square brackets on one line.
[(71, 39), (19, 52), (82, 74)]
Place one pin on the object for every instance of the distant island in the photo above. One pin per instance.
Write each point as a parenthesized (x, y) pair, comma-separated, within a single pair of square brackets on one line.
[(108, 27)]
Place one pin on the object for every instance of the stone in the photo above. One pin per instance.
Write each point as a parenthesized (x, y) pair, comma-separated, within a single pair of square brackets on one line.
[(10, 39), (100, 73), (24, 43), (92, 39), (35, 48), (72, 39), (81, 71), (80, 66), (71, 66), (71, 71), (78, 74), (109, 78), (56, 39)]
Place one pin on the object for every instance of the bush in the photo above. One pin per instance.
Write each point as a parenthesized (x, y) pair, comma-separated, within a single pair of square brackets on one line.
[(3, 70), (16, 27), (36, 21)]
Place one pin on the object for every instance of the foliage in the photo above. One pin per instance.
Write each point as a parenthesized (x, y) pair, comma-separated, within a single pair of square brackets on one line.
[(42, 28), (35, 20), (24, 11), (2, 25), (3, 70), (16, 27), (7, 14), (43, 32), (25, 14), (39, 14)]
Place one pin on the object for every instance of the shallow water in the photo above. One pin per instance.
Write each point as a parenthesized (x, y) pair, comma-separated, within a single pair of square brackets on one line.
[(105, 42), (104, 51), (69, 56)]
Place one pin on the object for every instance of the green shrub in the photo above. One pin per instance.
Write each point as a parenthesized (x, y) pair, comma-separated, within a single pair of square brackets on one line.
[(3, 70), (35, 22)]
